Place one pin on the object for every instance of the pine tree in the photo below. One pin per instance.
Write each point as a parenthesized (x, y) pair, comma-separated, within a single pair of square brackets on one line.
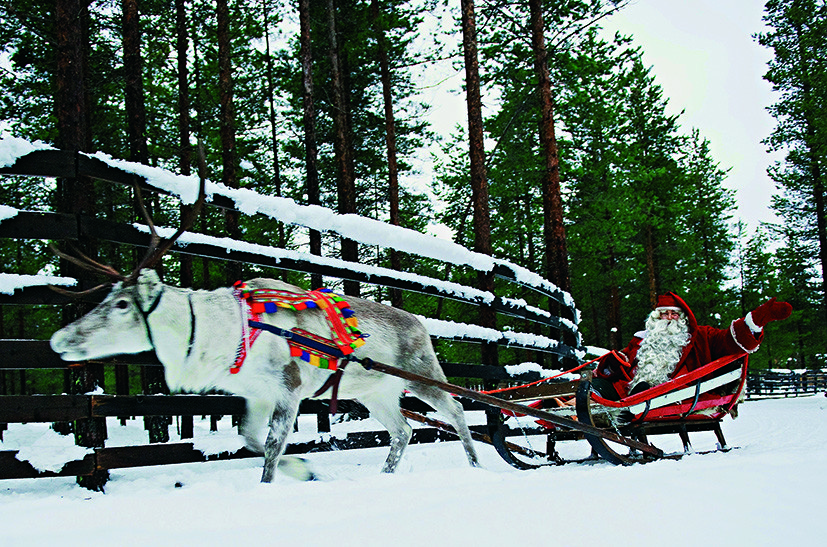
[(705, 232), (600, 202), (798, 39)]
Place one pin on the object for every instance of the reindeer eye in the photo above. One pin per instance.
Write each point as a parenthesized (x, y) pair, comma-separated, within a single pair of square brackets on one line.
[(122, 304)]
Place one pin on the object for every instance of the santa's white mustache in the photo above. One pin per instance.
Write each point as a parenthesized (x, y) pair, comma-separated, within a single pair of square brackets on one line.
[(668, 326)]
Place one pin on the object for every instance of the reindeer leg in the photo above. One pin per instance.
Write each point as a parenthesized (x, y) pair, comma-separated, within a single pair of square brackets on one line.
[(386, 411), (452, 410), (256, 421), (281, 423)]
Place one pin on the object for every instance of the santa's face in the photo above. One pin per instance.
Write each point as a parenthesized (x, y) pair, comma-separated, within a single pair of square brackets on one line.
[(665, 323), (670, 315)]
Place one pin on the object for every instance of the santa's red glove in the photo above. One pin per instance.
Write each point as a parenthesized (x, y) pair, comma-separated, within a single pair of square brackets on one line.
[(771, 311)]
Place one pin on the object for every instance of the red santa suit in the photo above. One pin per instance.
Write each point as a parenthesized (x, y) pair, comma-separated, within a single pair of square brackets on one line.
[(705, 345)]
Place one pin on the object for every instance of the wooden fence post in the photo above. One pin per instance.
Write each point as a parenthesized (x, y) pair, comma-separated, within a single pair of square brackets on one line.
[(90, 432), (187, 426), (153, 384)]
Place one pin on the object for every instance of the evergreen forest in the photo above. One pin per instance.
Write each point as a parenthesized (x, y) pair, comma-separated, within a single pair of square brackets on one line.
[(569, 164)]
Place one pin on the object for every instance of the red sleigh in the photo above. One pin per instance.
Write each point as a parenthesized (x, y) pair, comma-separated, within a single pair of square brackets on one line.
[(695, 401)]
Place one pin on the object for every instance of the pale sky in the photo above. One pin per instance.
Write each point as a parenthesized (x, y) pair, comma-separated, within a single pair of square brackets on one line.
[(704, 57)]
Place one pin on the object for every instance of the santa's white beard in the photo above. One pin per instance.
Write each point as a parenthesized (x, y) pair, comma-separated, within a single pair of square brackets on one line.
[(660, 351)]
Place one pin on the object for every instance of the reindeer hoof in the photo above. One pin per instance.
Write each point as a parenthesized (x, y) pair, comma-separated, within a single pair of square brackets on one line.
[(297, 468)]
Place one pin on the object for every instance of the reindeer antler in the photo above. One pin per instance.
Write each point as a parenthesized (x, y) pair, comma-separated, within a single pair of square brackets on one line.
[(87, 263), (157, 246), (80, 294)]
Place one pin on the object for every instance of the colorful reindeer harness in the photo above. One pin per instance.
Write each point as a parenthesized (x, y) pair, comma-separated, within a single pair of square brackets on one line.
[(309, 347)]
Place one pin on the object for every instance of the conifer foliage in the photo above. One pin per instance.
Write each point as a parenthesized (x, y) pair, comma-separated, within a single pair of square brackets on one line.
[(589, 180)]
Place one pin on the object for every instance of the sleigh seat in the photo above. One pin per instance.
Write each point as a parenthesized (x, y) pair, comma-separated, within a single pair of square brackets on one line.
[(695, 401)]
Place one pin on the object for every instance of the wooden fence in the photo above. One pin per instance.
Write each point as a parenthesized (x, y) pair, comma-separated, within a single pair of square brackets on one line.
[(82, 409), (770, 384)]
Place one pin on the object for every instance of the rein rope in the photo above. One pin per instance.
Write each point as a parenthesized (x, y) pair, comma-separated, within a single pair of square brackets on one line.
[(541, 380)]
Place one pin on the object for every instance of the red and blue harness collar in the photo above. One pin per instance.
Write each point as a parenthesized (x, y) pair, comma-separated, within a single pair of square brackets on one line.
[(311, 348)]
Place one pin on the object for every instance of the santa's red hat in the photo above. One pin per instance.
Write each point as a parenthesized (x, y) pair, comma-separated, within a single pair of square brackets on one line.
[(670, 301)]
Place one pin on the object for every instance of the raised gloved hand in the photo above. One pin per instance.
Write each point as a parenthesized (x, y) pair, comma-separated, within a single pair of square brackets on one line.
[(771, 310)]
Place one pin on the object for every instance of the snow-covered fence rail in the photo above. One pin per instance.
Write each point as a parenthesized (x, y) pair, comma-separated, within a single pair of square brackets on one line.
[(771, 383), (40, 225), (27, 159), (21, 158)]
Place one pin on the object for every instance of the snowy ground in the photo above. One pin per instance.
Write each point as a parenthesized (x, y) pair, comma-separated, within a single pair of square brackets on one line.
[(768, 491)]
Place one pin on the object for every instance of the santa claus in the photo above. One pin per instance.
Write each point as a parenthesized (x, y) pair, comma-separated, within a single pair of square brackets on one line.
[(673, 344)]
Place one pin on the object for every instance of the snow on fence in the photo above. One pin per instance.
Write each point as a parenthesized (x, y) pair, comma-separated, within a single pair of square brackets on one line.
[(22, 158)]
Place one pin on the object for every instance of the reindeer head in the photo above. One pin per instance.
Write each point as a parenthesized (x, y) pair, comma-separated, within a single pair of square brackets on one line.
[(118, 325)]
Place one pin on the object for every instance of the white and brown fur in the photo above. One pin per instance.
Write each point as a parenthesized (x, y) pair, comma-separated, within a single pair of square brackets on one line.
[(197, 354)]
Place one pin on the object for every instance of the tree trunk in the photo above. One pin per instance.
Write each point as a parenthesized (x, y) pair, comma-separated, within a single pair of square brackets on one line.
[(134, 96), (651, 264), (479, 182), (821, 221), (134, 82), (229, 174), (197, 129), (73, 195), (615, 332), (76, 196), (343, 145), (184, 148), (274, 141), (153, 377), (390, 139), (309, 124), (184, 154), (554, 229)]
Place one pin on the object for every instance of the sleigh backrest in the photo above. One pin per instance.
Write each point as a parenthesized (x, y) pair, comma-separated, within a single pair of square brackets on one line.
[(708, 392)]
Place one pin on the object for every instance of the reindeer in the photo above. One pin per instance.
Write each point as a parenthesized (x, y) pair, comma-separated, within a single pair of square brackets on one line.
[(197, 335)]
